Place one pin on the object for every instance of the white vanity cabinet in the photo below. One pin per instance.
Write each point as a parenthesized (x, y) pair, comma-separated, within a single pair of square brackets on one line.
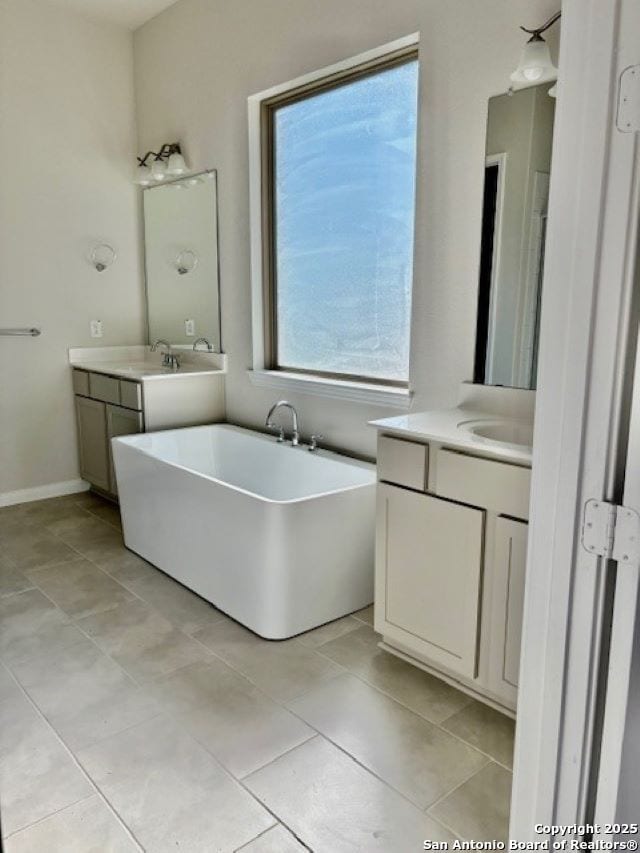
[(450, 563), (509, 566), (429, 575)]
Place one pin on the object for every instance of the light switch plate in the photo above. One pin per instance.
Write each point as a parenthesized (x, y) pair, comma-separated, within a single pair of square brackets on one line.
[(190, 328), (96, 328)]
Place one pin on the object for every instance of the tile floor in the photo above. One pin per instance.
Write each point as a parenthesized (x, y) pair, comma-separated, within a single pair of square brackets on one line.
[(135, 716)]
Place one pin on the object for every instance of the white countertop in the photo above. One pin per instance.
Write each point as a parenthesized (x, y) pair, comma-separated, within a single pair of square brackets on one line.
[(444, 427), (139, 364)]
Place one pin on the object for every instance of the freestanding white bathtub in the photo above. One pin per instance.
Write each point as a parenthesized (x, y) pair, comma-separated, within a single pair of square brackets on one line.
[(279, 538)]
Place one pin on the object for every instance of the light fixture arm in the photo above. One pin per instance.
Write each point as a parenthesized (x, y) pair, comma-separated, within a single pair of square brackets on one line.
[(537, 32), (164, 153)]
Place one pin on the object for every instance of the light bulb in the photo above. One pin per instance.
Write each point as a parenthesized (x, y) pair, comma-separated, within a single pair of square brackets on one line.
[(176, 164), (535, 64), (158, 170), (143, 176)]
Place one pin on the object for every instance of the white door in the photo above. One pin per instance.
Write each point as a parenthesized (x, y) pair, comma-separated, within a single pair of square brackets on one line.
[(618, 793), (587, 347)]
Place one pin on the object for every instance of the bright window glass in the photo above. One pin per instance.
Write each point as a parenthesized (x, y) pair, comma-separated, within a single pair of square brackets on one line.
[(343, 212)]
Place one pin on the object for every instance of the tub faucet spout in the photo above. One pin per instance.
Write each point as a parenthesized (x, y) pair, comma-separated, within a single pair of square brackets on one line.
[(283, 404)]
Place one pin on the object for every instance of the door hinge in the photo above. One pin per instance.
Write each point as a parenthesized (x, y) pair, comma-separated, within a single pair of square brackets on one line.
[(628, 116), (612, 532)]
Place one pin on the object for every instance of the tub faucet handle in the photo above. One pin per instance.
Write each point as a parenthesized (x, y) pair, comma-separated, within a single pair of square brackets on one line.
[(313, 445), (279, 430)]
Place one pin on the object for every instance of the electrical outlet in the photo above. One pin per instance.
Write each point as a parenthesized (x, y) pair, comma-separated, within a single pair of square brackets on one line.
[(96, 328), (190, 328)]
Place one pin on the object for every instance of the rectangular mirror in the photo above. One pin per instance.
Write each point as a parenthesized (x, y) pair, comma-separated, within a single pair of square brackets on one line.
[(516, 192), (181, 260)]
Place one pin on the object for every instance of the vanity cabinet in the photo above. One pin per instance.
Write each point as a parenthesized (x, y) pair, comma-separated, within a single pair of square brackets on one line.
[(451, 539), (92, 441), (429, 555), (101, 417), (120, 421), (509, 566)]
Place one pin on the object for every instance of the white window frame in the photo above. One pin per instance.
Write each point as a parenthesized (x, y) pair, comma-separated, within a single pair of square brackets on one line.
[(261, 375)]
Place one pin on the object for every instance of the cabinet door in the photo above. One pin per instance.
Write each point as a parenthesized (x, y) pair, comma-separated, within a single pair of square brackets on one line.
[(92, 439), (509, 578), (120, 422), (429, 557)]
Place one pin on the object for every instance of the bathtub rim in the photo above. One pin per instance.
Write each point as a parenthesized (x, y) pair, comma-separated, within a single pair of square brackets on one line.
[(131, 442)]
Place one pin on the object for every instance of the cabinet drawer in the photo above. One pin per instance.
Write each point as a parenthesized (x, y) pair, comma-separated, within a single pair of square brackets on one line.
[(130, 394), (403, 462), (104, 388), (81, 382), (496, 486)]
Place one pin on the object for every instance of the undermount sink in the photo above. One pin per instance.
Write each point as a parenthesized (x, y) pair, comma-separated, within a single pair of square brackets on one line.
[(514, 433)]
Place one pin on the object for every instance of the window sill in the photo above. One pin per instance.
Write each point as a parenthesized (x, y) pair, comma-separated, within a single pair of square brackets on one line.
[(356, 392)]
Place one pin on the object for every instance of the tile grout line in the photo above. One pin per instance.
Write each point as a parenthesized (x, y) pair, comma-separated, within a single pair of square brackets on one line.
[(439, 726), (329, 740), (78, 765)]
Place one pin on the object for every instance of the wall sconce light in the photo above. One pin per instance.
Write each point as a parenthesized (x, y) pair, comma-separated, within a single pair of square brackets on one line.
[(186, 262), (168, 162), (535, 64), (102, 256)]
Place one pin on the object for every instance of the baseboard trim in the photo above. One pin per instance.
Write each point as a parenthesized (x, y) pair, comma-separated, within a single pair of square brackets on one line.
[(38, 493)]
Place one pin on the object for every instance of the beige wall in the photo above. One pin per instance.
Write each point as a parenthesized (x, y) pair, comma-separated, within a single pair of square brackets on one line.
[(195, 66), (67, 139)]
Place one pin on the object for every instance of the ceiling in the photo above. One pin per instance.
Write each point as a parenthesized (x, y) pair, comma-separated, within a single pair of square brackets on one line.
[(125, 13)]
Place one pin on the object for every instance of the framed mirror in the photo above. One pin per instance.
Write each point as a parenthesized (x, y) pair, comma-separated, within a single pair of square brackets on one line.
[(516, 193), (181, 260)]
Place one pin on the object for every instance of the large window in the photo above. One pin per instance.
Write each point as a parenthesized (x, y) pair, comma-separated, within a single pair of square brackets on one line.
[(338, 189)]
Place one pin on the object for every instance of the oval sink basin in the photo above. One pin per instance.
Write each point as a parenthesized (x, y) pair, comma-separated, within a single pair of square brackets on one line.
[(514, 433)]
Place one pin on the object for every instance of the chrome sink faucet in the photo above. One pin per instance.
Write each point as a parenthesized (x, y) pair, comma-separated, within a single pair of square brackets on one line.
[(169, 359), (283, 404)]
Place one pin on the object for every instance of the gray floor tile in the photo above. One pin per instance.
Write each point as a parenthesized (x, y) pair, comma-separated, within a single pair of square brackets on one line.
[(180, 606), (410, 754), (423, 693), (84, 827), (234, 720), (80, 588), (488, 730), (171, 792), (8, 687), (142, 641), (333, 804), (12, 580), (282, 669), (123, 565), (276, 840), (479, 809), (37, 775), (34, 547), (30, 623), (330, 631), (365, 615), (84, 695)]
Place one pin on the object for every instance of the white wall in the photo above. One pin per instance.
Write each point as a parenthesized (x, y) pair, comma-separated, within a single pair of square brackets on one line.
[(67, 142), (197, 63)]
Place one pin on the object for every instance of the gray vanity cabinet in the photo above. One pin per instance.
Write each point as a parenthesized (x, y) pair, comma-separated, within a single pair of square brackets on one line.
[(106, 407), (92, 440), (120, 421)]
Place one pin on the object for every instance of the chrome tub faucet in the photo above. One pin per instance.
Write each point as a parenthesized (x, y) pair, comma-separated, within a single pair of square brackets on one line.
[(284, 404)]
